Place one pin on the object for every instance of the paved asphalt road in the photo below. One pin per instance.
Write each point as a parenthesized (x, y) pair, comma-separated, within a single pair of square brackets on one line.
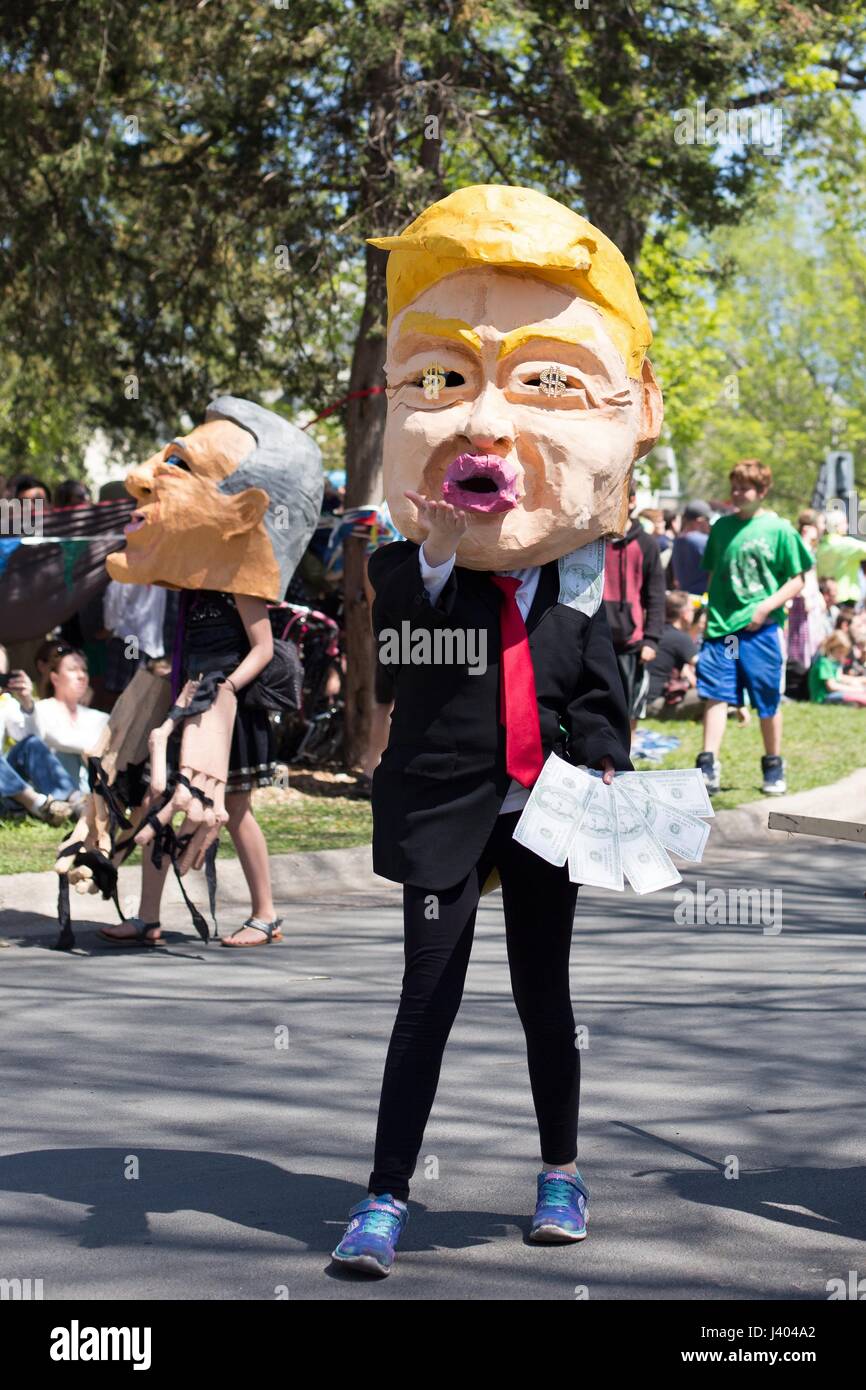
[(711, 1048)]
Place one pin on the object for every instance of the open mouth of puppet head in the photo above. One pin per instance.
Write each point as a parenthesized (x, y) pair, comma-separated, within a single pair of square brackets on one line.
[(140, 518), (482, 483)]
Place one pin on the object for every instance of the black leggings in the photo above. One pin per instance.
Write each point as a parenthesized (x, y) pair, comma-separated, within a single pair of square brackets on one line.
[(539, 902)]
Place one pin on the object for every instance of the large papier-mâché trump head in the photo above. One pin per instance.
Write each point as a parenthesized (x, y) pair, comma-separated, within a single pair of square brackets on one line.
[(517, 379), (231, 506)]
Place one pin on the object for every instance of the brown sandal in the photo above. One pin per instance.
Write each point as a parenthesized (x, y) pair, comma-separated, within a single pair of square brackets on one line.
[(140, 938)]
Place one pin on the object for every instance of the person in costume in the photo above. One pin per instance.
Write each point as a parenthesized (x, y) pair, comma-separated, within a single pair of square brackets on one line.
[(519, 398), (224, 514)]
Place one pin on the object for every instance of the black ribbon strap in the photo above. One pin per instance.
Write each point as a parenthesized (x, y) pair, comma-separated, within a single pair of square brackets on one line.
[(203, 698), (66, 939)]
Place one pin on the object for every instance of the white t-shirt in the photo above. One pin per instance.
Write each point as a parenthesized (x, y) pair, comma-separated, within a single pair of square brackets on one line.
[(13, 720), (68, 736), (136, 610)]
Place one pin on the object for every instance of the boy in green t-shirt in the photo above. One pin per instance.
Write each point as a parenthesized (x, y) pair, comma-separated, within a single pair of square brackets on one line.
[(756, 562)]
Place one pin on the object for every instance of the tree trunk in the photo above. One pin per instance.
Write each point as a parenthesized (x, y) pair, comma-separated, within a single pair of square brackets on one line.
[(365, 417), (365, 427), (365, 421)]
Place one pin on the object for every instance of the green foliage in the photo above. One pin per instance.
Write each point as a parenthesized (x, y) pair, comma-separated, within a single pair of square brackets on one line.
[(789, 327), (187, 186), (679, 285)]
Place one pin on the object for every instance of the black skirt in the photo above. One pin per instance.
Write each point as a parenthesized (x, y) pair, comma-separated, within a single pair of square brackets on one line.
[(251, 761), (215, 639)]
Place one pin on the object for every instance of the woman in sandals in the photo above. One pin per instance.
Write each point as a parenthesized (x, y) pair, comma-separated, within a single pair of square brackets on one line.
[(224, 514), (229, 633)]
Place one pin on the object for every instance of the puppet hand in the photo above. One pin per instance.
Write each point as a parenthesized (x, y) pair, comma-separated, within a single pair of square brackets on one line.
[(179, 801), (444, 525), (204, 759), (91, 833), (76, 837), (205, 825)]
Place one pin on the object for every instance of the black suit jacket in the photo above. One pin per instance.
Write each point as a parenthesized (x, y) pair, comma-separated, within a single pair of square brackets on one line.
[(442, 779)]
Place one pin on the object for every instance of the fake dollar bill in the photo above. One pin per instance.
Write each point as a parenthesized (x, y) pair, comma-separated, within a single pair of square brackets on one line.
[(594, 853), (610, 833), (556, 805), (679, 831), (683, 788)]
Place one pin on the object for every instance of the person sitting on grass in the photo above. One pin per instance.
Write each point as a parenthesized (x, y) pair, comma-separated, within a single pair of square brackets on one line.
[(61, 719), (32, 779), (828, 684), (856, 663), (675, 658)]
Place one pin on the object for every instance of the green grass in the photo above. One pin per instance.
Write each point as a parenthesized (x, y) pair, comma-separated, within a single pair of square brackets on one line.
[(820, 744), (311, 822), (319, 822)]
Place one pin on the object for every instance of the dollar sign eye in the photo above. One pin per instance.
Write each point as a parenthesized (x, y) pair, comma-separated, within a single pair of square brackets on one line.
[(433, 380), (553, 381), (435, 377)]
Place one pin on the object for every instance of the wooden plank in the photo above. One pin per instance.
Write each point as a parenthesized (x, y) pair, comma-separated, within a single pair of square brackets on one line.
[(815, 825)]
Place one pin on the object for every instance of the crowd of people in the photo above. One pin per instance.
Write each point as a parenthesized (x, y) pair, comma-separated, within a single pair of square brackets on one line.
[(716, 611), (70, 492), (56, 694)]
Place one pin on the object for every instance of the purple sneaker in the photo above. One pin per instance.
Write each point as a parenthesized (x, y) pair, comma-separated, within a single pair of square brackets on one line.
[(560, 1212), (371, 1236)]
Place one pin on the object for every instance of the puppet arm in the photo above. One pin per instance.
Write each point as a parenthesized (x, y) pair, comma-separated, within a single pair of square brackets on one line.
[(597, 718), (199, 789)]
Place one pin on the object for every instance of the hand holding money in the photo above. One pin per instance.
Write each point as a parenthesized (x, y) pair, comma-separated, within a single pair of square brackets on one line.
[(610, 826)]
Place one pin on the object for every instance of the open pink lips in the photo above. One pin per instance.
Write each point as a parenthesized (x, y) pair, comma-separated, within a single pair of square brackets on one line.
[(482, 483), (137, 520)]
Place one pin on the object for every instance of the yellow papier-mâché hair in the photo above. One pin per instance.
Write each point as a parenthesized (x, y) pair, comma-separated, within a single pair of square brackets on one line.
[(518, 229)]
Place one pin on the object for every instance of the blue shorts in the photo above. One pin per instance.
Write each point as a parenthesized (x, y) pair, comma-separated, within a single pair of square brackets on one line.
[(753, 661)]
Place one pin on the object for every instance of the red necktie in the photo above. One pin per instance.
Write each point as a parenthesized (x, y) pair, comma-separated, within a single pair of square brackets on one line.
[(519, 704)]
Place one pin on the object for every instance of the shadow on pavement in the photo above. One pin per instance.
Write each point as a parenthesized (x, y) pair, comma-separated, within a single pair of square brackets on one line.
[(248, 1192)]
